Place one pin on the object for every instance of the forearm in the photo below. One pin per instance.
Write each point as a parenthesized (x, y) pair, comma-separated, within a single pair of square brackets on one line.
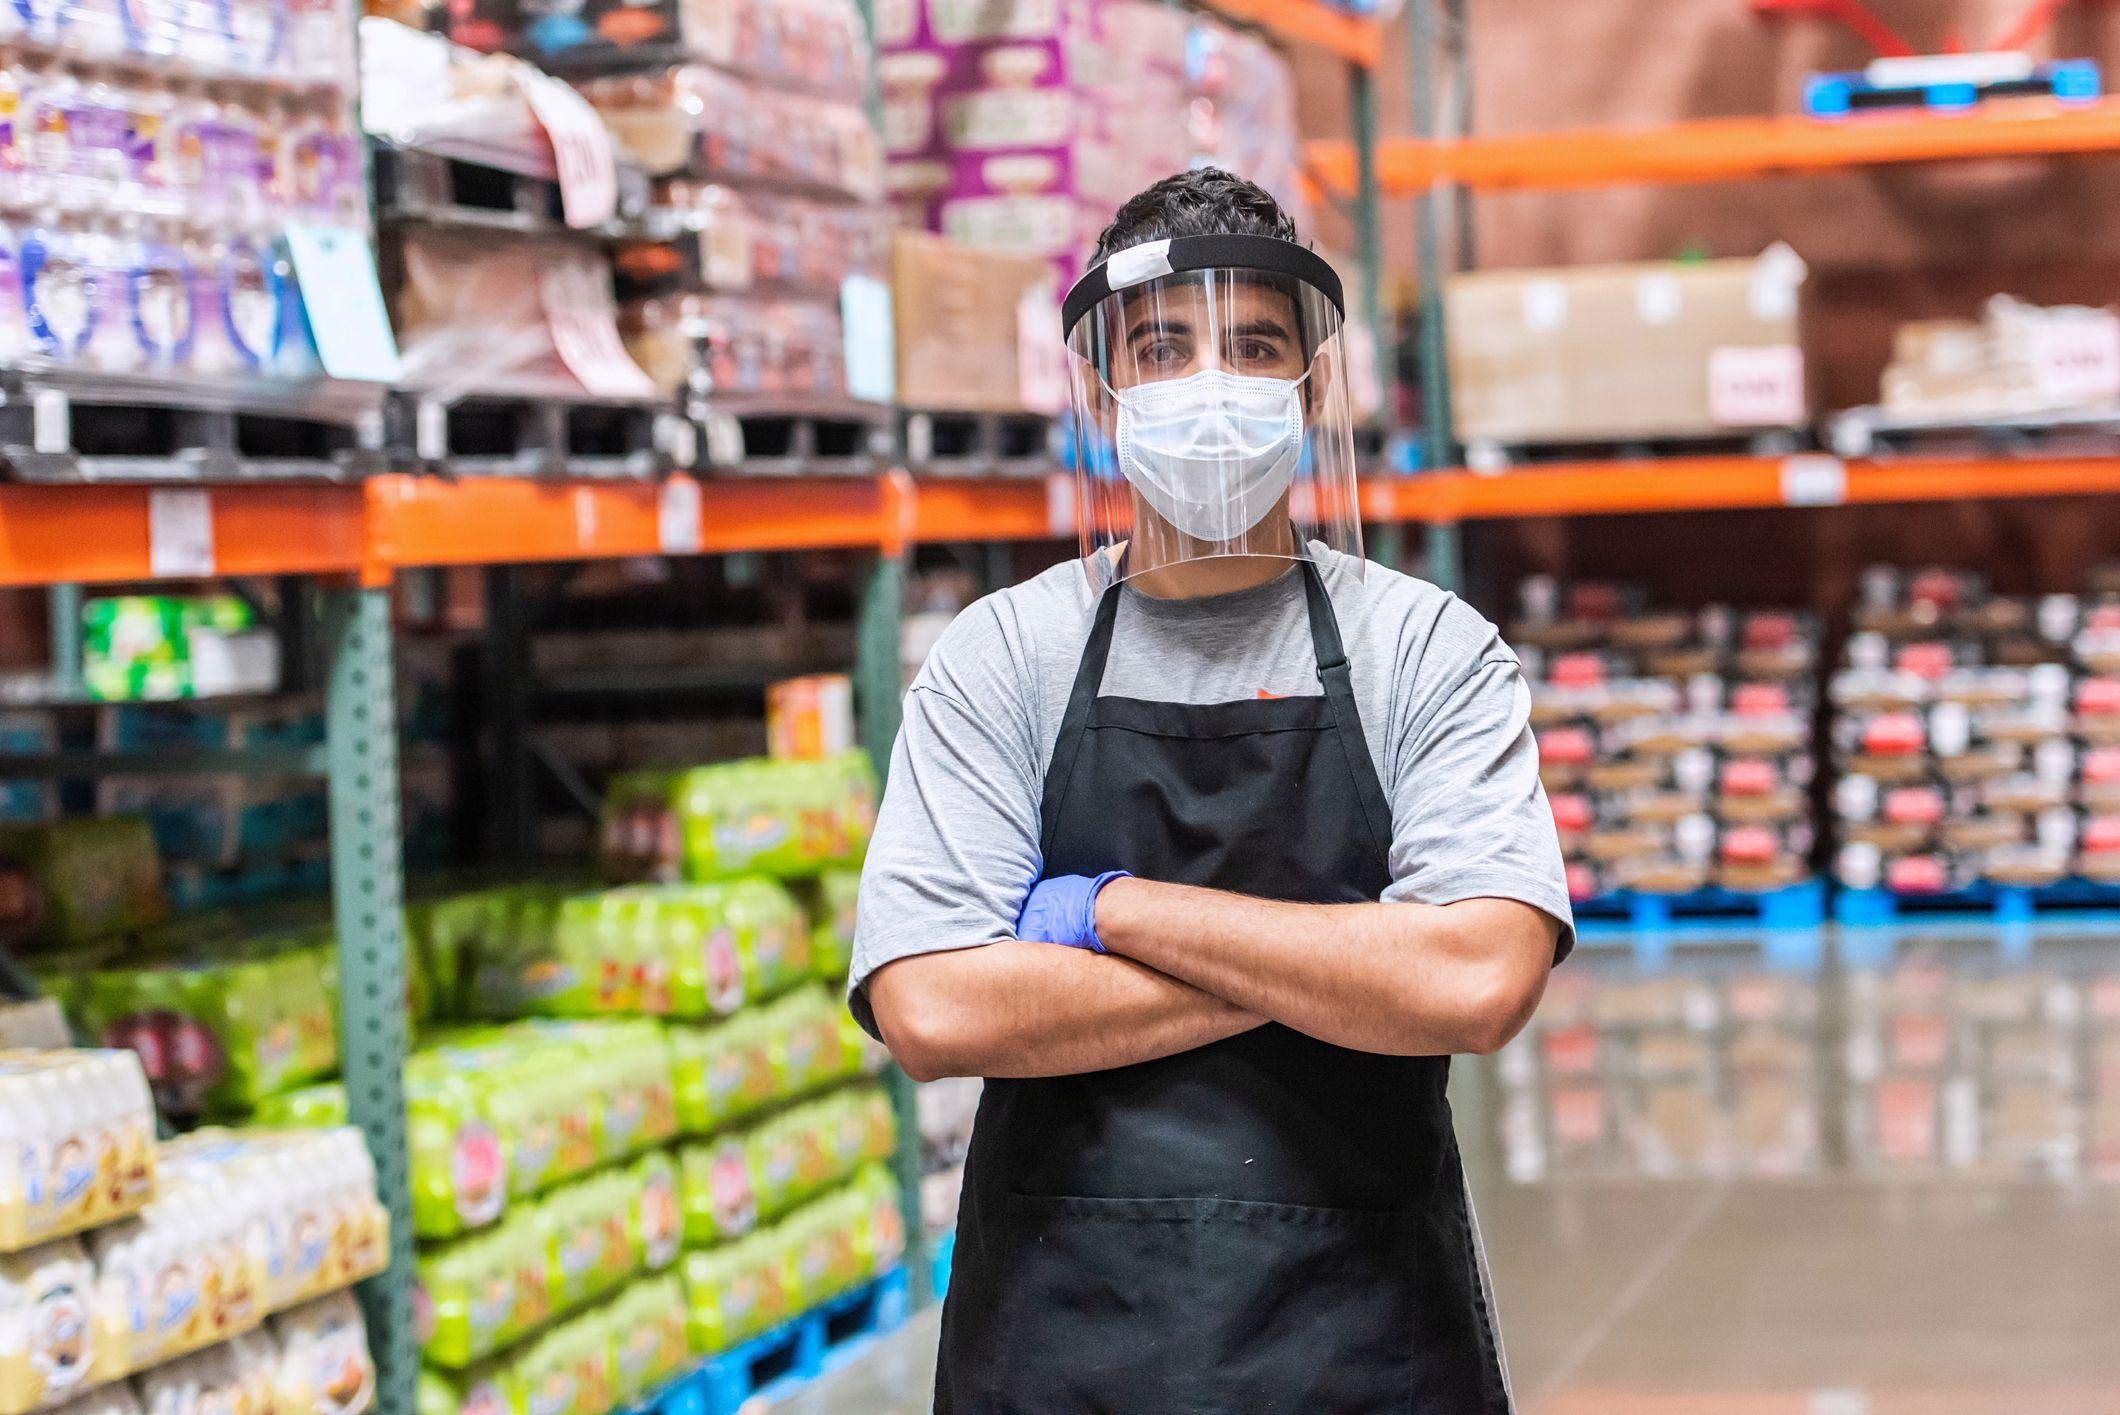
[(1013, 1009), (1402, 979)]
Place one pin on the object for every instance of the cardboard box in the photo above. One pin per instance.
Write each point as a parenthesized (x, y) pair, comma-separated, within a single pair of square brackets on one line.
[(964, 320), (1598, 353), (2016, 360)]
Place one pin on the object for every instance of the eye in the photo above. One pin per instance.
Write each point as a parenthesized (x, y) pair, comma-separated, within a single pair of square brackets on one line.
[(1160, 354), (1256, 351)]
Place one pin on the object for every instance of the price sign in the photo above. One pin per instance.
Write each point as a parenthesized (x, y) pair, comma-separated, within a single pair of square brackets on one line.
[(179, 534)]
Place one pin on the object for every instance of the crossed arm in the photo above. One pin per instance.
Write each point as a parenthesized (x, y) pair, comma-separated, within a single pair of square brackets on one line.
[(1190, 966)]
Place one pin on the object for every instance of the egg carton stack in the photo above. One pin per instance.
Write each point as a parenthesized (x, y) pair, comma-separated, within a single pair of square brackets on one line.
[(208, 1272), (1977, 740), (1665, 1077), (1676, 748)]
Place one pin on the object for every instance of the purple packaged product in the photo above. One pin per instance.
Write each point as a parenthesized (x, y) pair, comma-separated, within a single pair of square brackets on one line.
[(224, 163), (320, 174), (161, 303), (61, 294), (247, 294), (89, 142)]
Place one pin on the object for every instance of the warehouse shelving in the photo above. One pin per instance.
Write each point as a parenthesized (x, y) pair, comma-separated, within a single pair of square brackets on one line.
[(1355, 38), (60, 535), (1728, 149)]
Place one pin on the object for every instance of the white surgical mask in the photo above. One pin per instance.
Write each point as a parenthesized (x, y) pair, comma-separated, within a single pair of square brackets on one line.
[(1213, 451)]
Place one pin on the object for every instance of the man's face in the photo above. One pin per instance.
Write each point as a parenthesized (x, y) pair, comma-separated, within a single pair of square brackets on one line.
[(1233, 325)]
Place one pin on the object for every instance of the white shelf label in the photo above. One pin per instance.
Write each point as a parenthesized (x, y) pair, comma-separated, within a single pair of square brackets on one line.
[(1060, 503), (1756, 386), (2077, 361), (584, 517), (1813, 480), (179, 534), (678, 517)]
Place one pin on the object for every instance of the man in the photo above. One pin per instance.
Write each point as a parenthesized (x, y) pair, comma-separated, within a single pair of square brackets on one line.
[(1207, 851)]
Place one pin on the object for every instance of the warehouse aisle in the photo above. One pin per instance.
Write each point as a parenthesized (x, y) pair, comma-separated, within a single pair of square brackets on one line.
[(1815, 1297), (1970, 1277)]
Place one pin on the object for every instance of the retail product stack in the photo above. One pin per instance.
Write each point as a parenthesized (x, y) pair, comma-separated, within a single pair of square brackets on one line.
[(644, 1129), (1721, 1073), (155, 160), (770, 173), (1977, 739), (1021, 127), (498, 190), (1676, 749), (207, 1272)]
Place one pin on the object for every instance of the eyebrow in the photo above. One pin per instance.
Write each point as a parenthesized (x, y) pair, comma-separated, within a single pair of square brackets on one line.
[(1261, 329), (1168, 328)]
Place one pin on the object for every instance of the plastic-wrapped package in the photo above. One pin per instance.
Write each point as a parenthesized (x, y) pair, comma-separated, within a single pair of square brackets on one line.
[(325, 1365), (49, 1344), (76, 1142), (744, 817), (471, 313), (739, 345), (707, 123), (746, 240), (816, 45)]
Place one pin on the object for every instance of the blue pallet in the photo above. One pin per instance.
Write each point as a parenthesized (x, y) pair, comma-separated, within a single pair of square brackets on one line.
[(773, 1366), (1997, 903), (1838, 95), (1798, 906)]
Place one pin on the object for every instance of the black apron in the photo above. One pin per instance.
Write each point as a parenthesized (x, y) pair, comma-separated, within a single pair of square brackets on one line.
[(1269, 1224)]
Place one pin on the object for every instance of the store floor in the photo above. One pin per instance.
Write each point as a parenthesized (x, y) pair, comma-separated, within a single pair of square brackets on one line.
[(1929, 1291)]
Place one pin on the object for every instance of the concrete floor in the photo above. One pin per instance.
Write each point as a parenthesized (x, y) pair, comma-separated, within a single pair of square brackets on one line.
[(1835, 1294), (1821, 1297)]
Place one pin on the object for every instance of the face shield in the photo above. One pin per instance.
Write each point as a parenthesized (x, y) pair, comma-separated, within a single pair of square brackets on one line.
[(1211, 405)]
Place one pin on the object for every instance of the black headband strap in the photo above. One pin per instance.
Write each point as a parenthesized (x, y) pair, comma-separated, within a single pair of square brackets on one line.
[(1151, 260)]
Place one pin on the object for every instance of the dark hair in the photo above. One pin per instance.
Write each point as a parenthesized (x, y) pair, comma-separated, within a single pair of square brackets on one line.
[(1203, 202)]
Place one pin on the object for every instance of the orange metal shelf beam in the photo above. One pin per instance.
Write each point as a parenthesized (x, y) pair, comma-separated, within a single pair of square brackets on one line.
[(99, 534), (1726, 483), (55, 534), (1728, 149), (1352, 37)]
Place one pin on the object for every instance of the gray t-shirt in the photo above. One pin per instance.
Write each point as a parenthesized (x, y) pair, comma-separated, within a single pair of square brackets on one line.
[(1443, 706)]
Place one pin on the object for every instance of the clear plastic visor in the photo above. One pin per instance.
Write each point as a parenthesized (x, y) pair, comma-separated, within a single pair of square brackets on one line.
[(1212, 419)]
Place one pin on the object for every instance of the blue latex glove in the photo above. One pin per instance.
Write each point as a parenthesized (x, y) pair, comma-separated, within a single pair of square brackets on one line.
[(1064, 910)]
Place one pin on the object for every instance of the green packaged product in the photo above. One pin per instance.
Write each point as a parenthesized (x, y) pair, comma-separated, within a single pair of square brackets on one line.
[(649, 1341), (627, 1068), (781, 818), (658, 1214), (77, 881), (478, 1294), (829, 900), (567, 1371), (220, 1034), (733, 1184), (310, 1106), (493, 1390), (738, 1291), (736, 1068), (459, 1158), (589, 1229)]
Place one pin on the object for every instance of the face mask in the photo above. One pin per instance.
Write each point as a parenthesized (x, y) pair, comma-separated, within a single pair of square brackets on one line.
[(1213, 451)]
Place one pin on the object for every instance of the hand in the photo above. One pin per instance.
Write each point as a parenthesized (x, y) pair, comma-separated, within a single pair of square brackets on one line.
[(1064, 911)]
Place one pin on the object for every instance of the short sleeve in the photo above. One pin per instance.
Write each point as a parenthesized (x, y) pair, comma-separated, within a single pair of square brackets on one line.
[(956, 845), (1469, 817)]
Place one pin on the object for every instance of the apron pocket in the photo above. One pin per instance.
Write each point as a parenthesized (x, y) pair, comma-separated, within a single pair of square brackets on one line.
[(1092, 1290), (1299, 1311)]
